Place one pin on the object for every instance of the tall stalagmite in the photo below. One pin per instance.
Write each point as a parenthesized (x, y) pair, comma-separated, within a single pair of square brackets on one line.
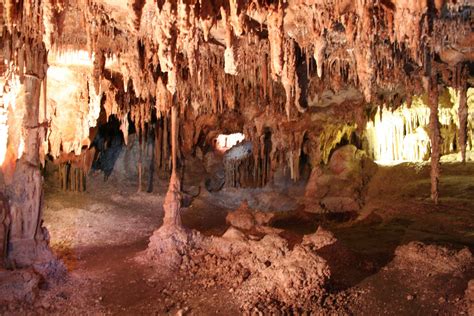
[(463, 113), (27, 242), (172, 204), (435, 137)]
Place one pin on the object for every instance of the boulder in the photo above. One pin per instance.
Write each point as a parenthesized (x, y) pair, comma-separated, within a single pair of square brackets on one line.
[(339, 186), (241, 218), (321, 238)]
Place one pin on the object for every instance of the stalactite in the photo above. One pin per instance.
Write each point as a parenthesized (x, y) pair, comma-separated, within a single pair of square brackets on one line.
[(230, 61), (165, 151), (288, 76), (319, 51), (435, 138), (151, 168), (275, 37), (237, 17), (72, 177), (140, 169), (265, 75), (99, 66), (3, 131), (124, 126)]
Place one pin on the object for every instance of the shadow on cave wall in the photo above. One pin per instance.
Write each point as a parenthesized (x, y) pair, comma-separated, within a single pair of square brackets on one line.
[(109, 143)]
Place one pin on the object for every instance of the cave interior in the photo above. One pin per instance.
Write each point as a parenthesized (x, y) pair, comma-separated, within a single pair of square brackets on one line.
[(228, 157)]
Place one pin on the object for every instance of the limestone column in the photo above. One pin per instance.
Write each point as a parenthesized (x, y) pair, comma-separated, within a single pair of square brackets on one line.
[(27, 241), (172, 204), (435, 138), (463, 113)]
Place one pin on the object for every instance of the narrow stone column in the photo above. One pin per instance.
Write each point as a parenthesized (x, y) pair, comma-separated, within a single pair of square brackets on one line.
[(435, 138), (172, 204), (463, 113), (27, 241)]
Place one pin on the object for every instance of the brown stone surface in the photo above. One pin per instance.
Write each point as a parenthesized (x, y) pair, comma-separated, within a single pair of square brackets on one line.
[(300, 79), (339, 187)]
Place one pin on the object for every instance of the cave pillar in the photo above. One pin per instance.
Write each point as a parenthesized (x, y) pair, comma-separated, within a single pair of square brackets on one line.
[(172, 204), (435, 138), (27, 241), (463, 113)]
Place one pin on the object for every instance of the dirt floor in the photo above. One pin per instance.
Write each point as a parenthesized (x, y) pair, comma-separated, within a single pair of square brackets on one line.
[(98, 235)]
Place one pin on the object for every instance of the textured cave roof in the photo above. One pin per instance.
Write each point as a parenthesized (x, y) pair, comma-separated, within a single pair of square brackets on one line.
[(353, 36), (265, 60)]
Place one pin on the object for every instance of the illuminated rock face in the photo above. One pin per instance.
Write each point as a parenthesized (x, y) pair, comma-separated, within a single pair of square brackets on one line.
[(403, 134), (294, 77), (225, 142)]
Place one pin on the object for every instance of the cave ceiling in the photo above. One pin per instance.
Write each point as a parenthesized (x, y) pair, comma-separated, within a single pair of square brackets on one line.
[(281, 64)]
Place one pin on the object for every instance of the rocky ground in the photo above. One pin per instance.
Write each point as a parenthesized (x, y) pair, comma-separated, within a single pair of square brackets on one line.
[(401, 255)]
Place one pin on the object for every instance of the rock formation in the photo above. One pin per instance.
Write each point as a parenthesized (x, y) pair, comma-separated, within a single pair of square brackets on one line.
[(298, 78)]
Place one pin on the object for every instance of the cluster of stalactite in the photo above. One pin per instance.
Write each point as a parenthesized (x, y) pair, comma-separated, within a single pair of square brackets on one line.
[(345, 43), (267, 57), (402, 134), (72, 178), (288, 146), (239, 166), (73, 170), (158, 134)]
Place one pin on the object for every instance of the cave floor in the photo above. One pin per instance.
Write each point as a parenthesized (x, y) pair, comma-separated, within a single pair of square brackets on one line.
[(99, 233)]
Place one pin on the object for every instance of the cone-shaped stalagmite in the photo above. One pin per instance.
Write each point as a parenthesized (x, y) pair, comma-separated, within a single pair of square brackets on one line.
[(172, 203)]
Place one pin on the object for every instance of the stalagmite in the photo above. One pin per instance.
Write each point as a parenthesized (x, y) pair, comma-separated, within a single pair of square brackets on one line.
[(435, 138), (172, 204), (463, 113), (27, 244)]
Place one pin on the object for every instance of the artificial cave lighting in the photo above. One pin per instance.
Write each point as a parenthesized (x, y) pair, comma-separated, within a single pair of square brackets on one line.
[(3, 134), (399, 135), (21, 147), (402, 135), (225, 142), (80, 58), (71, 57), (10, 89)]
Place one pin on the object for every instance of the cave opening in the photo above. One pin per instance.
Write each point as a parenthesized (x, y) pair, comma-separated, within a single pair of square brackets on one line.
[(236, 157), (224, 142)]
